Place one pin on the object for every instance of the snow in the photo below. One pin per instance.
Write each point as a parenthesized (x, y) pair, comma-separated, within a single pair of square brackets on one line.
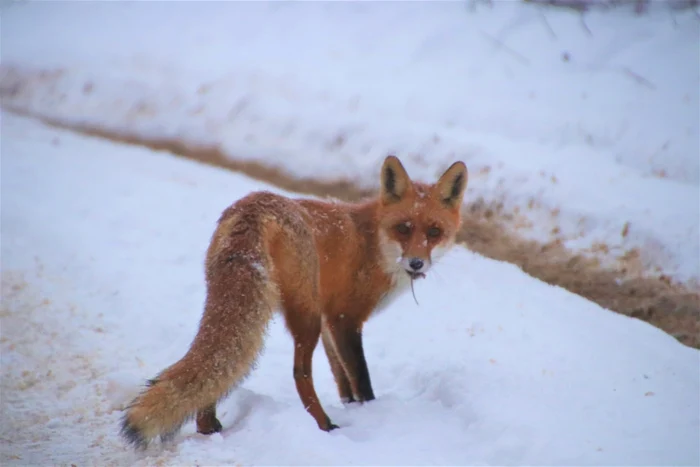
[(102, 287), (586, 126)]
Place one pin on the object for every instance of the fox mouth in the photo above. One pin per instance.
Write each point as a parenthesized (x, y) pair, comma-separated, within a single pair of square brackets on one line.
[(415, 275)]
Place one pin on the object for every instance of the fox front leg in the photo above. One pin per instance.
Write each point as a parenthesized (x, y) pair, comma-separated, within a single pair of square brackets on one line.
[(347, 343)]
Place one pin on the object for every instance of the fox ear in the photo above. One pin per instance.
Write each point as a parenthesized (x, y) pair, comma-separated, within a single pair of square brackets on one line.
[(451, 185), (395, 180)]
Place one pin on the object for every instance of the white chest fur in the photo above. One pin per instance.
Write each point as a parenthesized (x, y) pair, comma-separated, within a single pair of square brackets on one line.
[(401, 282)]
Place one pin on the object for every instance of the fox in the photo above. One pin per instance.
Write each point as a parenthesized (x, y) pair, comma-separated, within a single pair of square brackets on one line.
[(327, 266)]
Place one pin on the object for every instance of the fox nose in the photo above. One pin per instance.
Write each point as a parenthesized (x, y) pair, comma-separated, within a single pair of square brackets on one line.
[(416, 264)]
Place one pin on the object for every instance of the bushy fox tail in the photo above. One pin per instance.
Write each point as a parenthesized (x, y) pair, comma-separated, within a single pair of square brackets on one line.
[(240, 301), (206, 374)]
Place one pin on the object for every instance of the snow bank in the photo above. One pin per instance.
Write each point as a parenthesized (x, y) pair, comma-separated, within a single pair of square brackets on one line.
[(587, 125), (638, 6), (102, 286)]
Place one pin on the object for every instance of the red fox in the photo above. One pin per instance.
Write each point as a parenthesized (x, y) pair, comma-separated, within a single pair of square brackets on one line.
[(327, 266)]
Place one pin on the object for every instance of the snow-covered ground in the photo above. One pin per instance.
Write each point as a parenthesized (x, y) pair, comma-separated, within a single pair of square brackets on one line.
[(588, 126), (102, 286)]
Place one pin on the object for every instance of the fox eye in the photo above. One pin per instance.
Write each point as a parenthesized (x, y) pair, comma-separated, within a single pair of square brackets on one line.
[(434, 232), (403, 229)]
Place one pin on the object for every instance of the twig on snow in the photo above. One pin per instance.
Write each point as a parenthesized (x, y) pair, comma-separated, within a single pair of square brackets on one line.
[(585, 25), (503, 46), (638, 78), (549, 26)]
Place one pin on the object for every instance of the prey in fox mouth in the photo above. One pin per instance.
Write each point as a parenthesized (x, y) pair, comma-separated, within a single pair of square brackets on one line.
[(414, 267)]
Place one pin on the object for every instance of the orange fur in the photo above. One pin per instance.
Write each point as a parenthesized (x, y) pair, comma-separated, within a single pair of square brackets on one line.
[(326, 265)]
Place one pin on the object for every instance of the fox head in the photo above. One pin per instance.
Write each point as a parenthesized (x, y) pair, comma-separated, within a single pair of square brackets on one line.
[(418, 222)]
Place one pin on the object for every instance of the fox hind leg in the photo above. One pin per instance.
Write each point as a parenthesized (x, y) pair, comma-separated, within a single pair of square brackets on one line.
[(306, 332), (297, 275), (207, 423)]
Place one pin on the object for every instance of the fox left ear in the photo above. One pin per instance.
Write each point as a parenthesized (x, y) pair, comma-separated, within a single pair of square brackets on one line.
[(395, 181), (451, 185)]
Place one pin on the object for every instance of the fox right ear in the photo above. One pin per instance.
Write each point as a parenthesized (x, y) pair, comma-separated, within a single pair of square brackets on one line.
[(395, 180), (451, 185)]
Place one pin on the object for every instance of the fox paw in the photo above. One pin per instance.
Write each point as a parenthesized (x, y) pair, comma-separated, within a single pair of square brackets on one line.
[(214, 426), (357, 401), (329, 426)]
